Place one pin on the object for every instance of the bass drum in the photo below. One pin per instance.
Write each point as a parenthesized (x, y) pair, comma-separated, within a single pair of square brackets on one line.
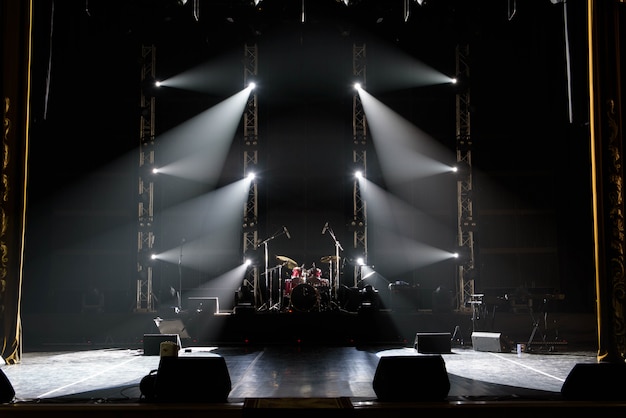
[(304, 298)]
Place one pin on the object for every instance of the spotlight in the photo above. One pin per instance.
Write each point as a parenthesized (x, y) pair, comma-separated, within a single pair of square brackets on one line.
[(358, 174), (461, 82), (149, 86), (462, 254), (357, 86), (462, 168), (252, 85), (251, 176)]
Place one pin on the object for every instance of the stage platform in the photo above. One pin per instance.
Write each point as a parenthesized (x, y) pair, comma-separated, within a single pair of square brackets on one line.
[(306, 363), (336, 327)]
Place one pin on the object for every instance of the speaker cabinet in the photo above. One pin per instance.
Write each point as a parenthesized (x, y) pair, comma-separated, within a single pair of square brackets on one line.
[(433, 342), (152, 343), (190, 379), (7, 393), (411, 378), (595, 382), (490, 341)]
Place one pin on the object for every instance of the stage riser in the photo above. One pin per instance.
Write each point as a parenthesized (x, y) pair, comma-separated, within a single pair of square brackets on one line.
[(44, 331)]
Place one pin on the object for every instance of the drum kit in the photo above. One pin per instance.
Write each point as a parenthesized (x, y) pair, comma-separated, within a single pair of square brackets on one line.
[(305, 290)]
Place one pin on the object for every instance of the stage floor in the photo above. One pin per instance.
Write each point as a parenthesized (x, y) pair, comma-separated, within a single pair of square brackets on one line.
[(113, 375)]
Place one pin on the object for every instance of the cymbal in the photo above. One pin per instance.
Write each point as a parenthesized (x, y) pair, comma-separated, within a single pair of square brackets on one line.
[(329, 258), (289, 263)]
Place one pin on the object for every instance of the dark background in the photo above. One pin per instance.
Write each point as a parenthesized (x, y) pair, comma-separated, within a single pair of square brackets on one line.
[(531, 163)]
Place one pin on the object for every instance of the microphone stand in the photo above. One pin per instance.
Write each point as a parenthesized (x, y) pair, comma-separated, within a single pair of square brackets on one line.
[(180, 276), (335, 284), (264, 243)]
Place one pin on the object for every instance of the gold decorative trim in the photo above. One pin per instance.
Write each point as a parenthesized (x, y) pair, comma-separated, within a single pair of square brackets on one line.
[(616, 199)]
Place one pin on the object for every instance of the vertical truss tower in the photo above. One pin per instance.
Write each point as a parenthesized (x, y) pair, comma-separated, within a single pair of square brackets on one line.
[(466, 223), (145, 201), (359, 158), (250, 162)]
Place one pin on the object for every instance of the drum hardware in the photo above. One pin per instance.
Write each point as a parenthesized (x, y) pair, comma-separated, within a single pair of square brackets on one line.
[(257, 295)]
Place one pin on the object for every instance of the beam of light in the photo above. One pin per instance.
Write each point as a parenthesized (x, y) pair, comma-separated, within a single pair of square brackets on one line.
[(405, 152), (210, 225), (212, 77), (196, 150), (403, 238), (223, 286), (394, 70)]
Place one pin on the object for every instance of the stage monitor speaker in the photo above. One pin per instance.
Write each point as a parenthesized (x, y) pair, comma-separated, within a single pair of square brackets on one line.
[(190, 379), (595, 382), (490, 341), (152, 343), (433, 342), (411, 378), (7, 393)]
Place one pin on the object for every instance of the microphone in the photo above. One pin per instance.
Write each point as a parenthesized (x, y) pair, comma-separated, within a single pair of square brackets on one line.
[(325, 228), (286, 232)]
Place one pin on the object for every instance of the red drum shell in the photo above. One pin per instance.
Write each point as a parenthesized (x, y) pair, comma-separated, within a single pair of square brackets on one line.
[(296, 272)]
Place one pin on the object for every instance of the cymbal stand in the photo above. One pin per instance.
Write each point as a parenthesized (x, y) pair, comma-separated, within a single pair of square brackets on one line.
[(334, 278), (278, 304), (282, 231)]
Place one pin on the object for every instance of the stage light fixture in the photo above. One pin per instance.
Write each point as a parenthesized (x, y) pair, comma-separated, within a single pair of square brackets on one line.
[(461, 82), (461, 254), (357, 86), (462, 168)]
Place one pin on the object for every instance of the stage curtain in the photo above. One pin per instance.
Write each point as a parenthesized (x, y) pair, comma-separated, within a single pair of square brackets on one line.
[(16, 60)]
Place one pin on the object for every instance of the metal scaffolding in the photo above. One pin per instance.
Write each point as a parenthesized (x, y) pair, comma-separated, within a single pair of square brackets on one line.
[(466, 270), (359, 159), (250, 162), (145, 201)]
